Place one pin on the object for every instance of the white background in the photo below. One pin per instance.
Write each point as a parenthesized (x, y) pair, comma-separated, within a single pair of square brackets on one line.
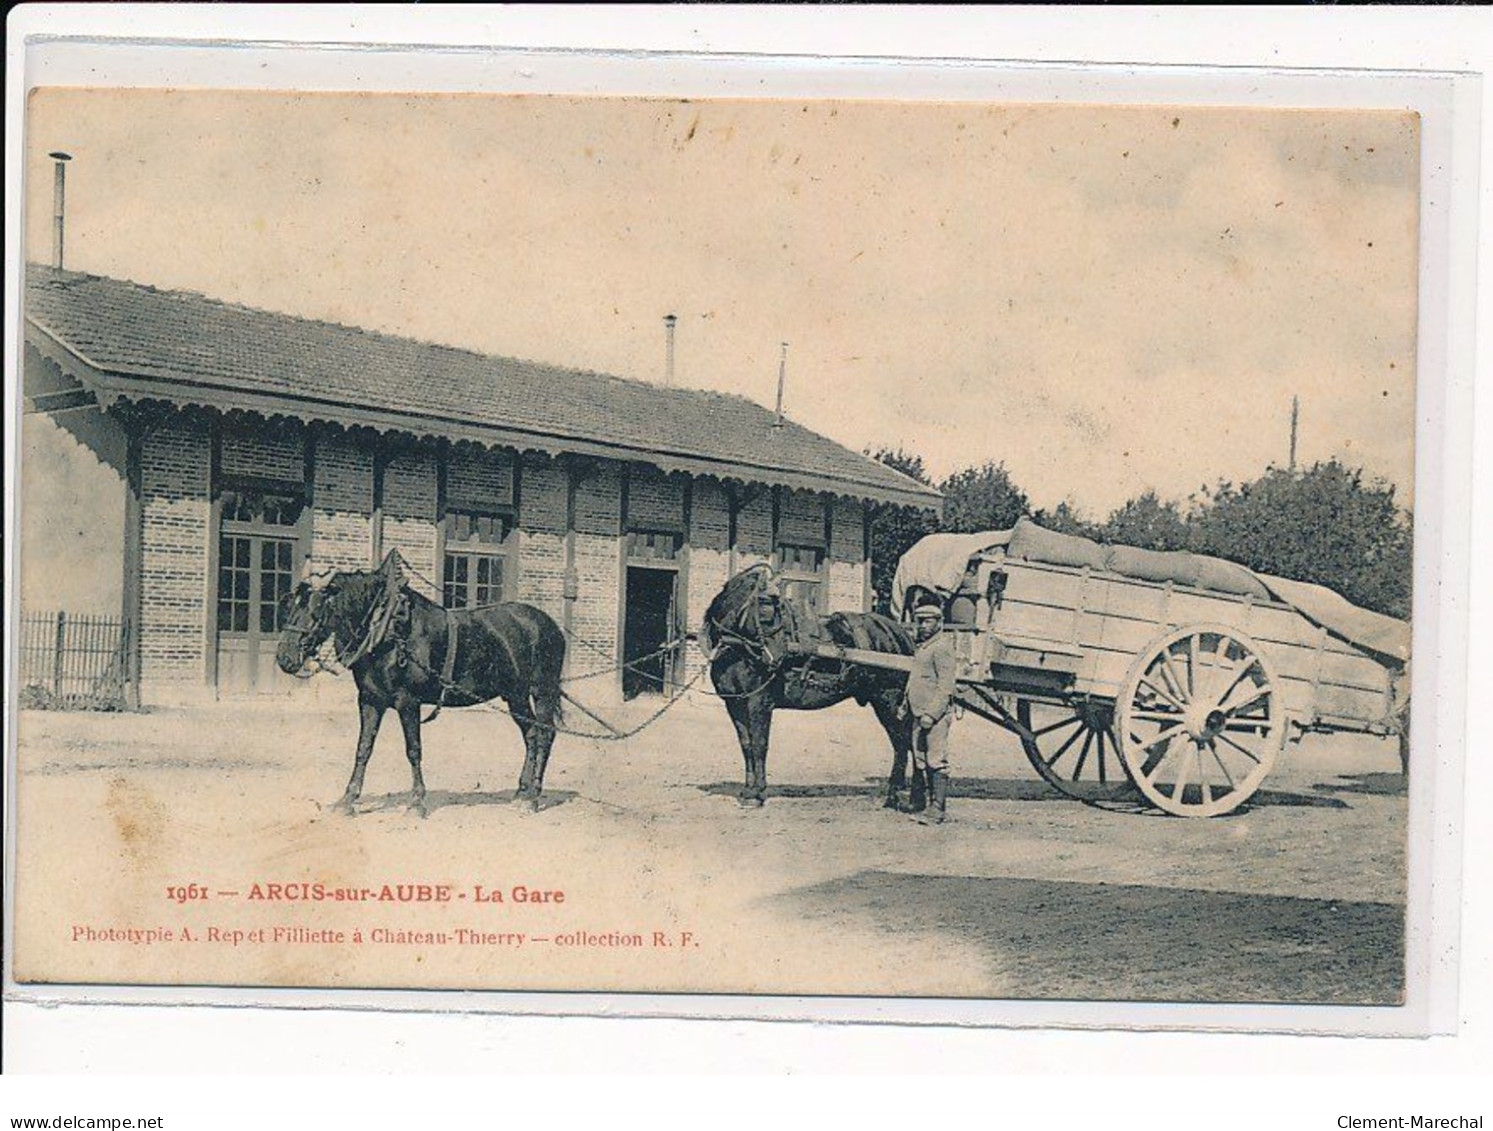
[(1175, 1079)]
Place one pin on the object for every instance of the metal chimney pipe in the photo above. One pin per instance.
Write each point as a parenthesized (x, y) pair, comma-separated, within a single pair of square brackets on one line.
[(59, 204), (782, 380), (669, 321)]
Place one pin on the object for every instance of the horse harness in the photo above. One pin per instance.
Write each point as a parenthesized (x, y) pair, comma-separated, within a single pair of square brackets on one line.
[(782, 629)]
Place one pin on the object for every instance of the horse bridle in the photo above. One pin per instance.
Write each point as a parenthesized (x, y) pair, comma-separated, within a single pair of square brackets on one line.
[(722, 634), (369, 634)]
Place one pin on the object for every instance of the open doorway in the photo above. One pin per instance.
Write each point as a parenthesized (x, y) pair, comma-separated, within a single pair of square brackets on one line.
[(647, 627)]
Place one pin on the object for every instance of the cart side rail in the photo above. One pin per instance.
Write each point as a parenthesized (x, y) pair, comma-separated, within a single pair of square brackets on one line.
[(1106, 619)]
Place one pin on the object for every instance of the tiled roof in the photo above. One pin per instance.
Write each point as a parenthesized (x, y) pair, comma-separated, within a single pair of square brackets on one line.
[(181, 341)]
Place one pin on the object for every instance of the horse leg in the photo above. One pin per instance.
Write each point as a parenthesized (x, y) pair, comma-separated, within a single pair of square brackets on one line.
[(370, 714), (889, 713), (542, 734), (409, 719), (518, 707), (741, 720), (760, 712)]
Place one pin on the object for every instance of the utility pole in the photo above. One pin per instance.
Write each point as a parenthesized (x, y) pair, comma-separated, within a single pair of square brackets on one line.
[(782, 380), (670, 321), (1295, 412)]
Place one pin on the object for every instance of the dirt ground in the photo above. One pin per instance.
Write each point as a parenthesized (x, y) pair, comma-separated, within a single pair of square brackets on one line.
[(668, 884)]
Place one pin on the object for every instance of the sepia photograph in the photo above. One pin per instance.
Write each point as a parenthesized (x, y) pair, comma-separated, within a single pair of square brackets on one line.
[(819, 547)]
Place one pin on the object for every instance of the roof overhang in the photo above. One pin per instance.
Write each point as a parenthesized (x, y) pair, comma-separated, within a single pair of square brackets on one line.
[(112, 387)]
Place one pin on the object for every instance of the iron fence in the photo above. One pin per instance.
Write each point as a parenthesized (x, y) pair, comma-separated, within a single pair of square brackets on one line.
[(68, 660)]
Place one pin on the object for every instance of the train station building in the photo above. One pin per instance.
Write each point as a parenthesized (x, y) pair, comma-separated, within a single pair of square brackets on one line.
[(213, 450)]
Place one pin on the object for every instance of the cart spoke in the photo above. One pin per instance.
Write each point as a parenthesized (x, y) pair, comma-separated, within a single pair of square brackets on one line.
[(1207, 664), (1164, 736), (1247, 753), (1059, 725), (1102, 779), (1063, 749), (1260, 693), (1169, 673), (1240, 671), (1217, 757), (1181, 783), (1083, 754), (1146, 681), (1157, 716)]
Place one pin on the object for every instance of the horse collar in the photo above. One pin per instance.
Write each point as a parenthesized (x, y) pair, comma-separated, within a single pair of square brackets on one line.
[(448, 665), (391, 606)]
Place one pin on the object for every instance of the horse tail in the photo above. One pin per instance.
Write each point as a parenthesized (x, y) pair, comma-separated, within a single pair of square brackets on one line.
[(547, 691)]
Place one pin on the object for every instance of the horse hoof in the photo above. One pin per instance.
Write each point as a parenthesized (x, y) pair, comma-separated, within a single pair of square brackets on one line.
[(892, 802), (345, 807), (534, 804), (418, 808), (751, 802)]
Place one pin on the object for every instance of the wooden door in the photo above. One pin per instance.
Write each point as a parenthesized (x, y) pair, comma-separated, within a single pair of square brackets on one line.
[(256, 573)]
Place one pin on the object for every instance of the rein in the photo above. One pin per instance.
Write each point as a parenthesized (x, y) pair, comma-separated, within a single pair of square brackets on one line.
[(752, 645), (371, 631), (723, 636)]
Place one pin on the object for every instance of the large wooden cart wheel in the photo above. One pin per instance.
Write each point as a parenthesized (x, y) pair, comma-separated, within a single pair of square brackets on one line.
[(1075, 749), (1201, 720)]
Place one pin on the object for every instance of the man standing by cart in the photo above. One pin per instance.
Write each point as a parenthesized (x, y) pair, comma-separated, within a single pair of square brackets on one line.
[(930, 701)]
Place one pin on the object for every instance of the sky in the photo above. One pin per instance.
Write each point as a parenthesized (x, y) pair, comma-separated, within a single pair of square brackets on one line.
[(1106, 299)]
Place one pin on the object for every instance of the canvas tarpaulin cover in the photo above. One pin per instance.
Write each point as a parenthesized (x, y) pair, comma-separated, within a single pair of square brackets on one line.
[(939, 561)]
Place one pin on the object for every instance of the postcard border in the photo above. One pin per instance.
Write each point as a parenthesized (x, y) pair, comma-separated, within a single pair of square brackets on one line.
[(1449, 107)]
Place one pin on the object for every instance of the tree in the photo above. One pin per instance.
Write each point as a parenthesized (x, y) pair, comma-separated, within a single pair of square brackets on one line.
[(895, 528), (982, 498), (1323, 525), (1065, 518), (1147, 522)]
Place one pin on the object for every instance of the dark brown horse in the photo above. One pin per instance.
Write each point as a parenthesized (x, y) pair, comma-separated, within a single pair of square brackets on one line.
[(399, 647), (755, 637)]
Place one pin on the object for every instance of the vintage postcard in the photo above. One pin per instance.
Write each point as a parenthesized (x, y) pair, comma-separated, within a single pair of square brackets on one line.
[(901, 549)]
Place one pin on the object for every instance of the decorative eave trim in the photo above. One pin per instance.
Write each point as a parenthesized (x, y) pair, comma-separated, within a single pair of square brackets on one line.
[(112, 386)]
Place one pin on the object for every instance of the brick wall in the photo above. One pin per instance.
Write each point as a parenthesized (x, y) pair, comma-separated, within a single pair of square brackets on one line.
[(654, 501), (479, 478), (276, 453), (342, 504), (801, 518), (542, 520), (410, 488), (595, 613), (847, 566), (709, 559), (175, 474), (754, 529)]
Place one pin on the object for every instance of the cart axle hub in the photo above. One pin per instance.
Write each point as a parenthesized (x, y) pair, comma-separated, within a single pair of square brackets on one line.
[(1203, 723)]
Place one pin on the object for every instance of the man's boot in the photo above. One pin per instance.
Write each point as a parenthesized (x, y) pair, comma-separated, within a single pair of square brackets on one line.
[(938, 789), (917, 800)]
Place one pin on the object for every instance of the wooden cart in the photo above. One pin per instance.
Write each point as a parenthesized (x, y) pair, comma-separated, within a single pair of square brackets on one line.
[(1115, 682)]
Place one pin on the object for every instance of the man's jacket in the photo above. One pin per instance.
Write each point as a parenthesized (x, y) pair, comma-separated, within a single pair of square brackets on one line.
[(931, 683)]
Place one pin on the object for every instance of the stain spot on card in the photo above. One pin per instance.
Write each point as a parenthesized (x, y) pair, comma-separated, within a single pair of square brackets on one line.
[(138, 818)]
